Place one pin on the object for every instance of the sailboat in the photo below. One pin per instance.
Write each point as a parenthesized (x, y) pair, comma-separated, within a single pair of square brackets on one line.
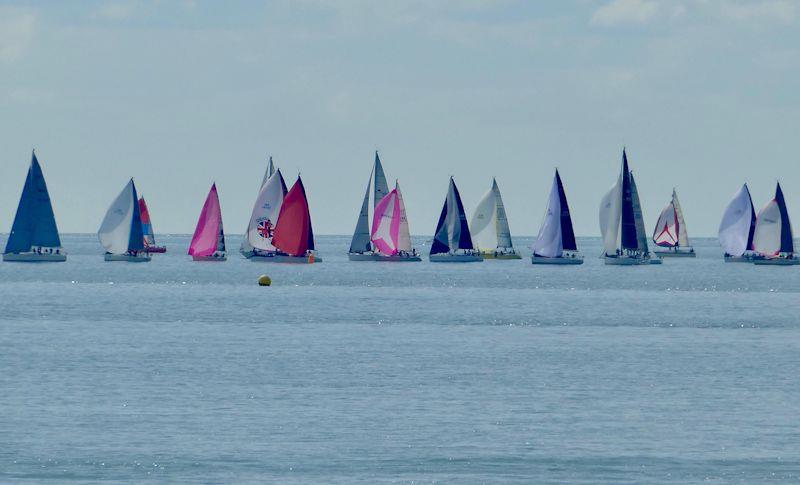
[(245, 247), (670, 232), (294, 237), (34, 235), (555, 243), (390, 235), (452, 242), (361, 248), (264, 218), (150, 245), (208, 241), (622, 224), (489, 227), (773, 237), (737, 228), (121, 231)]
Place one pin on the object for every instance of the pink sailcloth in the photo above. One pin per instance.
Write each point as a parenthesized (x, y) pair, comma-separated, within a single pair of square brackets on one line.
[(206, 234), (386, 224)]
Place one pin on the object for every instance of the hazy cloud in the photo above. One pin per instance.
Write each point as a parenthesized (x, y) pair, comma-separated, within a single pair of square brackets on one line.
[(16, 29), (620, 12)]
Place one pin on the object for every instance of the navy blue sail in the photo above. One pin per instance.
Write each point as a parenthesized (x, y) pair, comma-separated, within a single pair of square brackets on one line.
[(787, 244), (452, 234), (628, 228), (438, 246), (34, 224), (136, 239), (464, 236), (568, 242)]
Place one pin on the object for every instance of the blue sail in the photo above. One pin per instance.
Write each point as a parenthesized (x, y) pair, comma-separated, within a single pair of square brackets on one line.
[(464, 237), (567, 233), (787, 243), (136, 240), (34, 224), (628, 228)]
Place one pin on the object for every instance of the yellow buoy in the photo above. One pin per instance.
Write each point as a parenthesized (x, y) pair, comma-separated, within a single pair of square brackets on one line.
[(264, 280)]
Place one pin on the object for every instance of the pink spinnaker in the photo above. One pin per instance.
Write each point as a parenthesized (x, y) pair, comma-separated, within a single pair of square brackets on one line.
[(206, 234), (386, 224)]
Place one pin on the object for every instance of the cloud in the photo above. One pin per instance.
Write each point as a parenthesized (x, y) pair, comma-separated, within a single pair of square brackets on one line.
[(770, 10), (116, 11), (623, 12), (16, 30)]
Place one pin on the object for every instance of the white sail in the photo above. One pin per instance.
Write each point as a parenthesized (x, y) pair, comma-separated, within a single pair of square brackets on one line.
[(683, 236), (666, 230), (610, 213), (404, 234), (548, 242), (245, 246), (483, 225), (115, 231), (734, 230), (767, 237), (503, 231), (265, 213), (269, 172)]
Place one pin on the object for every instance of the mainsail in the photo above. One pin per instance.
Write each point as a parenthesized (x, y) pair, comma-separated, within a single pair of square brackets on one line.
[(386, 224), (773, 234), (737, 228), (245, 246), (556, 233), (641, 234), (452, 231), (266, 212), (621, 221), (377, 187), (147, 226), (121, 230), (489, 224), (403, 232), (34, 224), (209, 236), (293, 232)]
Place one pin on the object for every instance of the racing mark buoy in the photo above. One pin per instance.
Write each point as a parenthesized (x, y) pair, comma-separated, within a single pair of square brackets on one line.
[(264, 280)]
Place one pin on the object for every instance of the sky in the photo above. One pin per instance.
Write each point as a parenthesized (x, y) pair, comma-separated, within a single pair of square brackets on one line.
[(178, 94)]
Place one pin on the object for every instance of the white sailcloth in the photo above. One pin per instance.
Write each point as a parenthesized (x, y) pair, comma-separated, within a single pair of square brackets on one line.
[(549, 243), (683, 236), (610, 213), (767, 237), (404, 234), (265, 214), (115, 230), (483, 225), (734, 230), (666, 231), (245, 246)]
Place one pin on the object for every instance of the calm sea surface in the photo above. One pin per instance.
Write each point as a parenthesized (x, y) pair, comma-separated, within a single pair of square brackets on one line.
[(342, 372)]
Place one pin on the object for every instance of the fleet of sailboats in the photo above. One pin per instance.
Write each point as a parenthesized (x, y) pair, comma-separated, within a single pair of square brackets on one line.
[(34, 235), (208, 240), (773, 239), (670, 231), (556, 243), (489, 227), (121, 233), (280, 228), (452, 242)]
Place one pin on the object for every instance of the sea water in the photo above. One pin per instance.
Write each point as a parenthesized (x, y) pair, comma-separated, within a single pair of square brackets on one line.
[(359, 372)]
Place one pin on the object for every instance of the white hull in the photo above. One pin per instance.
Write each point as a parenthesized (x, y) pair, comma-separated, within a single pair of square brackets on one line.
[(745, 258), (209, 258), (681, 253), (560, 261), (627, 261), (777, 261), (455, 258), (140, 258), (34, 258)]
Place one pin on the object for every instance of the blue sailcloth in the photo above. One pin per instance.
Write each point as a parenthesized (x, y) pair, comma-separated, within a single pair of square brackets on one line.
[(34, 225)]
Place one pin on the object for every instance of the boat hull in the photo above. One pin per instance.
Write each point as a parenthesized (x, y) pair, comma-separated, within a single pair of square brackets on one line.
[(285, 258), (31, 257), (675, 254), (455, 258), (558, 261), (139, 258), (493, 255), (156, 249), (397, 258), (209, 258), (777, 262), (362, 256), (740, 259), (627, 261)]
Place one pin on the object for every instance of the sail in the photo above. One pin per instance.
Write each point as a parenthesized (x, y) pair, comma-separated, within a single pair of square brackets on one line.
[(245, 246), (360, 243), (403, 232), (628, 223), (381, 187), (683, 236), (610, 211), (483, 225), (737, 228), (787, 243), (667, 228), (293, 234), (641, 235), (767, 238), (386, 224), (207, 233), (268, 173), (121, 229), (548, 242), (503, 231), (34, 223), (452, 231), (266, 210), (147, 226), (568, 242)]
